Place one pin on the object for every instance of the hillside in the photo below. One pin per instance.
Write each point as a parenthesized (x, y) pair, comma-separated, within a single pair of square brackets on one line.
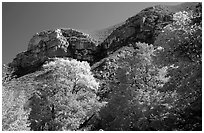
[(144, 74)]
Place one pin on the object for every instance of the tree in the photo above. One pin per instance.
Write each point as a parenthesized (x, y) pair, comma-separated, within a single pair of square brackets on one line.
[(65, 96)]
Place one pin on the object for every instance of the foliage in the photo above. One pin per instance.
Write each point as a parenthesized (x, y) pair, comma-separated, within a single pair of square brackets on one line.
[(146, 86), (14, 116), (182, 18), (153, 81), (78, 73), (146, 93), (135, 98), (182, 40), (65, 97)]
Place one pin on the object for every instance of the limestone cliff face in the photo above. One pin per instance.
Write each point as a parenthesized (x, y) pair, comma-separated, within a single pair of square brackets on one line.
[(54, 43)]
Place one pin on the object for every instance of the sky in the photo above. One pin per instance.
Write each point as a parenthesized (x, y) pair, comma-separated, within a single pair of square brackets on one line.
[(20, 21)]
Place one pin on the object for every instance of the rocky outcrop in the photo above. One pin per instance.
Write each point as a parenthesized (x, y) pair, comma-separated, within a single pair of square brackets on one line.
[(143, 27), (54, 43)]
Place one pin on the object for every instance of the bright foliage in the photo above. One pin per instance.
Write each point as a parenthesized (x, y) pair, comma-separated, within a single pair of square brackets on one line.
[(14, 116), (65, 97)]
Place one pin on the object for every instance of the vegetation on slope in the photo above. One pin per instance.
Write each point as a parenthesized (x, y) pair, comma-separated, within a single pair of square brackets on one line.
[(139, 86), (62, 97), (155, 90)]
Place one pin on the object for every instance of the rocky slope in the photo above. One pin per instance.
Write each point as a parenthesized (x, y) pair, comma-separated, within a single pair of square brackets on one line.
[(149, 68)]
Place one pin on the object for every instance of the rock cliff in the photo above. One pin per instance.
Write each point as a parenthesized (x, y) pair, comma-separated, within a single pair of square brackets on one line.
[(143, 27), (54, 43)]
